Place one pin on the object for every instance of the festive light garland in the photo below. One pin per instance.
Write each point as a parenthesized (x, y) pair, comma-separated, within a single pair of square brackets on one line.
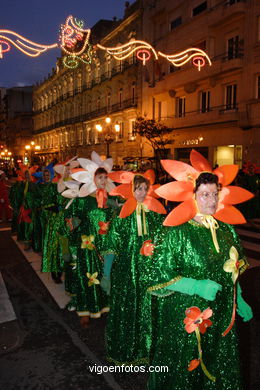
[(26, 46), (75, 43), (8, 47)]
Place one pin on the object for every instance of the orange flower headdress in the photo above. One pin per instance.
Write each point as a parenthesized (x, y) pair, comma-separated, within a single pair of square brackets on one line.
[(125, 190), (23, 168), (181, 190)]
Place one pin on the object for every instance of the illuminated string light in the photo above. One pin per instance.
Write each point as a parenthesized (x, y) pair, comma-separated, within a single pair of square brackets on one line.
[(30, 48), (199, 62), (124, 51), (183, 57), (143, 55), (72, 33), (6, 49)]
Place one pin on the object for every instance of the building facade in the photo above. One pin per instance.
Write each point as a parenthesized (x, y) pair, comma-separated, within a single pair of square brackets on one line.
[(16, 123), (94, 106), (215, 110)]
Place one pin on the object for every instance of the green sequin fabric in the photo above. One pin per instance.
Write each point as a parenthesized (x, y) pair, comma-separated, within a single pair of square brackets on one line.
[(129, 327), (188, 250)]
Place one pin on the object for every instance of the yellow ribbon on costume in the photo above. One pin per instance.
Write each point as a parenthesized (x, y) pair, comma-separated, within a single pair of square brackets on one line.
[(210, 223), (141, 209)]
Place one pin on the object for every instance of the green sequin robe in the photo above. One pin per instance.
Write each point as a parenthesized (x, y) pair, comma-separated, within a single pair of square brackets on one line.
[(188, 250), (129, 327), (26, 196), (52, 254), (88, 300)]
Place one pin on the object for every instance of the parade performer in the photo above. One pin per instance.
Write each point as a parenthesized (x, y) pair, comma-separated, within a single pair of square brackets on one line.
[(93, 213), (196, 268), (26, 215), (131, 239), (5, 210), (16, 193), (46, 199), (52, 250)]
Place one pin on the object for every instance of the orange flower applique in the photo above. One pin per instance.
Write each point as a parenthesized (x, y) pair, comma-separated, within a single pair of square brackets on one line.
[(103, 227), (147, 248), (181, 190), (198, 322)]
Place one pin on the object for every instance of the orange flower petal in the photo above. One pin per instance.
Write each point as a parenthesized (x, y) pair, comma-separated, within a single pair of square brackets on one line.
[(181, 214), (234, 195), (177, 191), (128, 208), (150, 175), (121, 176), (226, 173), (193, 312), (179, 170), (152, 189), (123, 190), (154, 205), (193, 364), (229, 214), (199, 162)]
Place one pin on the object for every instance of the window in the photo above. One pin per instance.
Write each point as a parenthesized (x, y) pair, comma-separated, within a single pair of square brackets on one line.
[(120, 133), (108, 102), (131, 133), (133, 93), (231, 97), (258, 87), (159, 111), (180, 107), (175, 23), (258, 28), (233, 47), (200, 8), (205, 101), (120, 97)]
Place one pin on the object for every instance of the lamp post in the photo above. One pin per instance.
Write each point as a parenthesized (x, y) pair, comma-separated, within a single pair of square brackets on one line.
[(30, 150), (109, 135)]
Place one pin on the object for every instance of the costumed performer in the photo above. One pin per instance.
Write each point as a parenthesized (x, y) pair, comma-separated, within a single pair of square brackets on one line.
[(94, 214), (196, 267), (131, 239)]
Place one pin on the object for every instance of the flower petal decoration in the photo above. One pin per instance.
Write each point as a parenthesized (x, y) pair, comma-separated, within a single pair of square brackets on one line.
[(125, 190), (103, 227), (92, 278), (182, 190), (86, 242), (86, 174), (61, 169), (233, 264), (198, 322), (147, 248), (197, 319), (193, 364)]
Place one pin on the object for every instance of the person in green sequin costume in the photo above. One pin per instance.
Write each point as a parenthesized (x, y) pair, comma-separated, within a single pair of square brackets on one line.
[(94, 212), (131, 238), (195, 266)]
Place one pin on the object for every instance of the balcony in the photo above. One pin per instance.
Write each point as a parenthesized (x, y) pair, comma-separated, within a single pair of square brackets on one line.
[(102, 111)]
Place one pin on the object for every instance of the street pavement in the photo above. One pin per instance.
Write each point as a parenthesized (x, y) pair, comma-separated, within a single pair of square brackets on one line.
[(43, 347)]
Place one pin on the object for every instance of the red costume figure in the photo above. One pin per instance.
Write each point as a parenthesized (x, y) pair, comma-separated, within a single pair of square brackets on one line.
[(5, 209)]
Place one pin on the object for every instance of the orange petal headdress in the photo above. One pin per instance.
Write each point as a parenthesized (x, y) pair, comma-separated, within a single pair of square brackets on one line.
[(23, 168), (181, 190), (125, 190)]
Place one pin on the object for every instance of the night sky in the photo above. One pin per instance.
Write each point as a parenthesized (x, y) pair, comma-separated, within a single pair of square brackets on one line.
[(39, 21)]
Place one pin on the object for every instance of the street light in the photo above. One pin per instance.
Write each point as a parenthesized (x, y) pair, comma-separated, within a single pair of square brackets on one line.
[(30, 149), (109, 135)]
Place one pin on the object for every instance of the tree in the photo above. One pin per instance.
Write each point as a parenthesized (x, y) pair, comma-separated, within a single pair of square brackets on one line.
[(158, 136)]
